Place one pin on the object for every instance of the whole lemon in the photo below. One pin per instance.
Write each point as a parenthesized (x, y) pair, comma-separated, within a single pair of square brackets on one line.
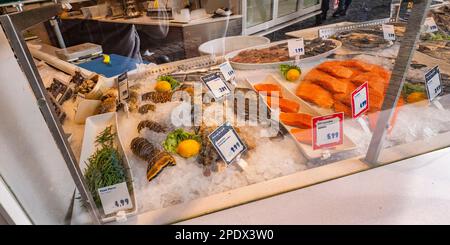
[(163, 86), (188, 148), (293, 75)]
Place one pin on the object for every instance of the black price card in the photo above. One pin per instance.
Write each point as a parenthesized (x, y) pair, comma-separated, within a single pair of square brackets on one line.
[(122, 85), (227, 142), (216, 85), (433, 83)]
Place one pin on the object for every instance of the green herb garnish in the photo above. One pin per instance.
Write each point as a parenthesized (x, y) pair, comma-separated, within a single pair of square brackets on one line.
[(175, 137), (173, 82), (104, 167), (284, 68), (409, 88)]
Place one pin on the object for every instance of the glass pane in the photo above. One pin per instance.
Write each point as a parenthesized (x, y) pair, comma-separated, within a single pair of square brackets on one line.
[(310, 3), (421, 119), (259, 12), (286, 7), (147, 137)]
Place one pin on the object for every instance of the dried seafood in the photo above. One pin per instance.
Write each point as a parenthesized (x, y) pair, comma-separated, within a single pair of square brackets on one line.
[(133, 102), (151, 125), (208, 154), (157, 97), (85, 87), (78, 78), (436, 49), (366, 39), (280, 52), (56, 88), (157, 160), (109, 102), (145, 108), (442, 18)]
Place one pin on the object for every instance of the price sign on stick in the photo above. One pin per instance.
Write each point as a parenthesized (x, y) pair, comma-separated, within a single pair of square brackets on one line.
[(430, 25), (227, 143), (216, 85), (388, 32), (115, 198), (360, 100), (328, 131), (227, 71), (296, 47), (433, 83), (122, 85)]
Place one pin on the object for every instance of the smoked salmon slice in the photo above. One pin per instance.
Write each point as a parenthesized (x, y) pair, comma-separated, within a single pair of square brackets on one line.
[(315, 94), (340, 107), (346, 98), (302, 135), (335, 70), (330, 83), (375, 81), (269, 88), (285, 105), (299, 120), (360, 65)]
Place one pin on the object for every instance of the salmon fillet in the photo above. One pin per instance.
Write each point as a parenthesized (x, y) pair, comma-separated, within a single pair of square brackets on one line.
[(330, 83), (285, 105), (270, 89), (375, 81), (299, 120), (335, 70), (360, 65), (302, 135), (346, 98), (339, 107), (315, 94)]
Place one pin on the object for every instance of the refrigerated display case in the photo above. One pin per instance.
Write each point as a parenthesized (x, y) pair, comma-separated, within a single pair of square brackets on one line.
[(262, 17), (110, 139)]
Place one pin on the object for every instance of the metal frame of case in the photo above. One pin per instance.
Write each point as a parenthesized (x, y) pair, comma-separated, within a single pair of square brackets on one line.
[(14, 24)]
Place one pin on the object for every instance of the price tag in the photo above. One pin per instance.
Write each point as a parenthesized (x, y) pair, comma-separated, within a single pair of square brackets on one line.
[(430, 25), (227, 71), (328, 131), (122, 85), (433, 83), (216, 85), (115, 198), (388, 32), (296, 47), (360, 100), (227, 143)]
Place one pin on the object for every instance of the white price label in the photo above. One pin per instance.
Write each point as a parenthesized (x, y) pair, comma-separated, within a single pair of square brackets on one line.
[(122, 84), (227, 142), (216, 85), (296, 47), (388, 32), (227, 71), (328, 131), (433, 83), (115, 198), (430, 25), (360, 100)]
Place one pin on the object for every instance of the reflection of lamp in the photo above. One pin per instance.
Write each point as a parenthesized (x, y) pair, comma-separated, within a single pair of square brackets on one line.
[(130, 9)]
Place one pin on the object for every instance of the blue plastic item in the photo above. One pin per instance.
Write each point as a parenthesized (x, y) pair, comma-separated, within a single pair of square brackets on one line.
[(119, 64)]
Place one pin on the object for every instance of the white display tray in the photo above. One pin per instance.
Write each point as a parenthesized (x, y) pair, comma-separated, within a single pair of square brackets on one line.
[(254, 66), (306, 149), (95, 125)]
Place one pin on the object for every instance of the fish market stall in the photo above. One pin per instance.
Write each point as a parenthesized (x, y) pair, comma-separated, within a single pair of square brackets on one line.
[(157, 144)]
